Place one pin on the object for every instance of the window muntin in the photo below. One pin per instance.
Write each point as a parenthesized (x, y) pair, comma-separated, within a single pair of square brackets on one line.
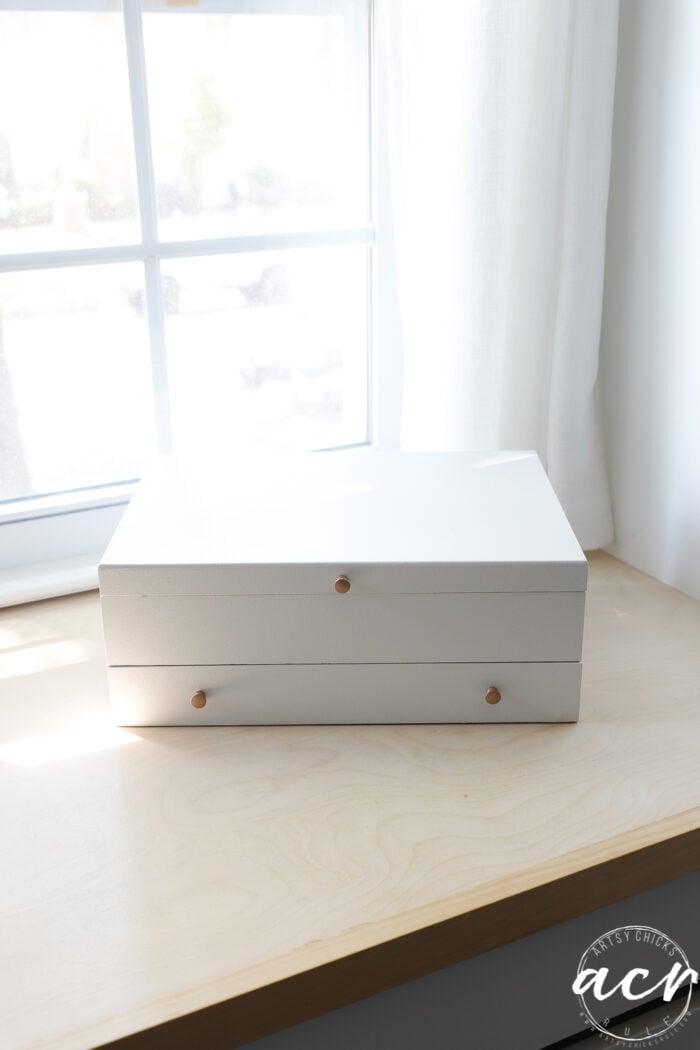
[(307, 220)]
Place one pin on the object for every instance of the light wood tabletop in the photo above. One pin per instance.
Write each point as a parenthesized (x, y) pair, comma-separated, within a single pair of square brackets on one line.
[(174, 887)]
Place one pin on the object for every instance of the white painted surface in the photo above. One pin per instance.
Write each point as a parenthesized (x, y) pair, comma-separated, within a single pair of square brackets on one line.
[(26, 543), (48, 580), (650, 352), (303, 629), (366, 578), (345, 693), (456, 561), (464, 512)]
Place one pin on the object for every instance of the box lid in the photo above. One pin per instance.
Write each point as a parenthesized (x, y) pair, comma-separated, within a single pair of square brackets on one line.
[(392, 522)]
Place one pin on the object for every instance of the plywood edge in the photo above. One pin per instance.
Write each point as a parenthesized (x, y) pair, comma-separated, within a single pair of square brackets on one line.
[(324, 975)]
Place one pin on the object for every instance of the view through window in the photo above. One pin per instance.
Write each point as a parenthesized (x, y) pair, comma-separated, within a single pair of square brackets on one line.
[(185, 235)]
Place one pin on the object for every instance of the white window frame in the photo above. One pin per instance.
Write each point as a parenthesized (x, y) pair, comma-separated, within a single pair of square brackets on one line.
[(51, 544)]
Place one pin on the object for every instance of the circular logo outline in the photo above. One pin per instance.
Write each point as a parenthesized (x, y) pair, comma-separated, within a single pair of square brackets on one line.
[(631, 1040)]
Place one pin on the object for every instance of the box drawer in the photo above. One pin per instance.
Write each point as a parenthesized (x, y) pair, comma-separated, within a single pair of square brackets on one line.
[(345, 693), (312, 629)]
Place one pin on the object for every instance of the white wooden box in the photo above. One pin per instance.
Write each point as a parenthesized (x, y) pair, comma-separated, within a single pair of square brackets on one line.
[(465, 600)]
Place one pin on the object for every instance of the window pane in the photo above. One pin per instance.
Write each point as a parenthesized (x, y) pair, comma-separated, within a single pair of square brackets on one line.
[(258, 121), (268, 348), (67, 176), (74, 379)]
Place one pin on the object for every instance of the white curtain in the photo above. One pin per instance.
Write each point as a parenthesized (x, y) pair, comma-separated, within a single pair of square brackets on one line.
[(498, 141)]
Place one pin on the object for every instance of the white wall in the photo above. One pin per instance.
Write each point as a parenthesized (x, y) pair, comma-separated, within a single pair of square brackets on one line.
[(650, 353)]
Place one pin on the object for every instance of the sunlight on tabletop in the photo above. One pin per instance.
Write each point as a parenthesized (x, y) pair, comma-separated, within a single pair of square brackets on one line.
[(45, 657), (65, 743)]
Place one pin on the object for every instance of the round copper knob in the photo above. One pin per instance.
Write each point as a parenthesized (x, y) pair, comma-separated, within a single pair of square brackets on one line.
[(493, 695), (199, 699), (342, 585)]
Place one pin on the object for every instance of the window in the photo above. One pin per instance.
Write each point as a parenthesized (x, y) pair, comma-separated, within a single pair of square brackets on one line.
[(186, 245)]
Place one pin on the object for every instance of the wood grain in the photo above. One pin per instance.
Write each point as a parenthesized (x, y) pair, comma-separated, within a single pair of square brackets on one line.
[(369, 959), (174, 888)]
